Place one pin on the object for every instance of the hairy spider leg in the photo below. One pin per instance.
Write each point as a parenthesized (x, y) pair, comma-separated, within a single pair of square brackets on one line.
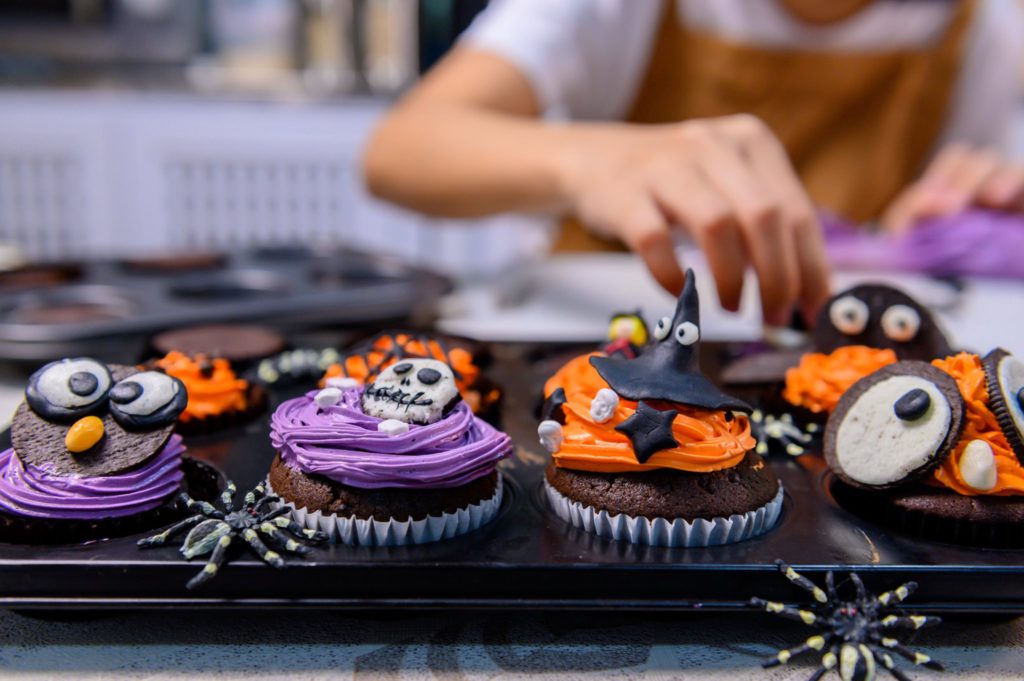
[(275, 537), (268, 556), (830, 586), (255, 494), (173, 530), (299, 530), (796, 614), (862, 593), (202, 507), (209, 570), (802, 582), (885, 659), (816, 642), (906, 622), (898, 595), (920, 659), (227, 497)]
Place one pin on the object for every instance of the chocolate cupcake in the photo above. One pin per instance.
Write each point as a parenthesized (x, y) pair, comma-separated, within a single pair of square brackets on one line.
[(93, 454), (647, 450), (402, 460), (217, 398), (364, 361), (919, 447)]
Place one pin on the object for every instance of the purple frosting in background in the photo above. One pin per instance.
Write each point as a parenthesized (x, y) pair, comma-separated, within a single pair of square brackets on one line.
[(976, 242), (343, 444), (31, 491)]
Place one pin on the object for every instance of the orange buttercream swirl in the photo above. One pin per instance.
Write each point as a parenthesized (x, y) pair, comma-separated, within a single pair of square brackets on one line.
[(820, 380), (708, 440), (383, 354), (213, 387), (979, 424)]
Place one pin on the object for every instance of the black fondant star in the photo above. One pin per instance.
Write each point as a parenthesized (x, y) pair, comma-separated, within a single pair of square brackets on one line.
[(650, 431)]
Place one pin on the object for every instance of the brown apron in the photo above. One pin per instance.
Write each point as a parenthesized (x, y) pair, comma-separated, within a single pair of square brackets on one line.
[(858, 126)]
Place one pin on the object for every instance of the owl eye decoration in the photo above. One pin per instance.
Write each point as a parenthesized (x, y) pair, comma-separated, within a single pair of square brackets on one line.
[(68, 389), (901, 323), (849, 314), (149, 399)]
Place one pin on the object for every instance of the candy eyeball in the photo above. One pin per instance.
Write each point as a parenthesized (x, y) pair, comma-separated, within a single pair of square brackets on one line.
[(147, 400), (849, 315), (687, 333), (900, 323), (662, 328), (417, 391), (65, 390)]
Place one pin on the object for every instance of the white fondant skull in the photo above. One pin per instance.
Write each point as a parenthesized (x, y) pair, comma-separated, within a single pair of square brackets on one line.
[(412, 390)]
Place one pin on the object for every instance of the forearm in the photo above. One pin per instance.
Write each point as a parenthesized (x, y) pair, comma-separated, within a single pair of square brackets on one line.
[(458, 160)]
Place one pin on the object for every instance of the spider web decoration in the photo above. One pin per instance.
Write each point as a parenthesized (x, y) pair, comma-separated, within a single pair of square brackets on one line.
[(213, 531), (780, 434), (856, 635)]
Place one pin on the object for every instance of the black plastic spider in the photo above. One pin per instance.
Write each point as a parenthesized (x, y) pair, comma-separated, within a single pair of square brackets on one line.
[(853, 632), (780, 433), (214, 530)]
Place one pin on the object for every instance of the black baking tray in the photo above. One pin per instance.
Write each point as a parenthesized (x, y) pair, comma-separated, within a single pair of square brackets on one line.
[(527, 557), (107, 308)]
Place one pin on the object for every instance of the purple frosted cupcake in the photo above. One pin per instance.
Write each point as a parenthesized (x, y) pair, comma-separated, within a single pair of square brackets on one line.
[(93, 454), (400, 461)]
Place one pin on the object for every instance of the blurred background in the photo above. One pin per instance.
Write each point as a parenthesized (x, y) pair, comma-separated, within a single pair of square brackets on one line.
[(131, 126)]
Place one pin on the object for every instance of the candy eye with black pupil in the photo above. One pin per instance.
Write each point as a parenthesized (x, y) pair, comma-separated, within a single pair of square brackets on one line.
[(402, 368), (65, 390), (662, 328), (147, 400), (849, 315), (687, 333), (428, 376), (900, 323), (913, 405)]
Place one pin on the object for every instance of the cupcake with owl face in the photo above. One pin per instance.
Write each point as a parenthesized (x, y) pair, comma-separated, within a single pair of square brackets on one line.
[(93, 454), (648, 450), (402, 460)]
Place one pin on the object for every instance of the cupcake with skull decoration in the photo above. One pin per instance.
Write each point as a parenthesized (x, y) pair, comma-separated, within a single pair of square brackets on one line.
[(648, 450), (93, 454), (401, 460)]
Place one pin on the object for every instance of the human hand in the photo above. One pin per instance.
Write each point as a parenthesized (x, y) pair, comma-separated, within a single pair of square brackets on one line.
[(960, 176), (728, 183)]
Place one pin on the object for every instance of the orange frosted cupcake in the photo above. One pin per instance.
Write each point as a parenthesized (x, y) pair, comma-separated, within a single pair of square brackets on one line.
[(217, 397), (933, 449), (647, 450)]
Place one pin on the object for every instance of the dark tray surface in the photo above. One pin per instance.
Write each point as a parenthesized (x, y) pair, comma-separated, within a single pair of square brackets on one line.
[(525, 558)]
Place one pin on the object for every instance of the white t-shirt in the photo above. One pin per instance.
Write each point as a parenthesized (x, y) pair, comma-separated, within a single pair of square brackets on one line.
[(586, 58)]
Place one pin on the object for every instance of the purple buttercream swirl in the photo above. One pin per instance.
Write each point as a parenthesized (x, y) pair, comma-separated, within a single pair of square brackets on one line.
[(31, 491), (343, 444)]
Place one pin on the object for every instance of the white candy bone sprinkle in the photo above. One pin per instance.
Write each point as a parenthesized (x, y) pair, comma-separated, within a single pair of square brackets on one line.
[(393, 427), (550, 434), (341, 382), (978, 465), (328, 397), (603, 405)]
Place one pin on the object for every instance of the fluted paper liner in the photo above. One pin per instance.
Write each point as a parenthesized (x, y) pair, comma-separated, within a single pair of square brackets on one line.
[(370, 532), (678, 533)]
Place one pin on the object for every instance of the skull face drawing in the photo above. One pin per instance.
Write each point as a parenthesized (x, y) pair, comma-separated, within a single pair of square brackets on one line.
[(417, 391)]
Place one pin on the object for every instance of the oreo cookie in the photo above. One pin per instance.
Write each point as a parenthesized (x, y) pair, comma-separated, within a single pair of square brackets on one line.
[(880, 316), (41, 443), (894, 426), (1004, 380)]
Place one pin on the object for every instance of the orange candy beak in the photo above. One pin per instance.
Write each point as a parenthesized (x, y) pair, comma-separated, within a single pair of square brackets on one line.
[(84, 434)]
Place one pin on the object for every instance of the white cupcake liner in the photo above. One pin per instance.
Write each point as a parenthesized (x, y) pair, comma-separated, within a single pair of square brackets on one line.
[(676, 533), (370, 532)]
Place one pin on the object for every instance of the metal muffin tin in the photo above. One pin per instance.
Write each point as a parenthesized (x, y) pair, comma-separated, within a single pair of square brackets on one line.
[(527, 557), (109, 308)]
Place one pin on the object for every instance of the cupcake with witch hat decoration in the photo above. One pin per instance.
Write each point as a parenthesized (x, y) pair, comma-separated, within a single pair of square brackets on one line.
[(648, 450)]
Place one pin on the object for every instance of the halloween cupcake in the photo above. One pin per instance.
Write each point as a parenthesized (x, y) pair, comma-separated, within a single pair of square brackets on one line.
[(363, 363), (647, 450), (858, 332), (934, 449), (93, 454), (402, 460), (217, 397)]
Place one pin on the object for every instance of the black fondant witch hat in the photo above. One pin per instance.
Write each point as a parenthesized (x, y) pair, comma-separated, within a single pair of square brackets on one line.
[(667, 369)]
